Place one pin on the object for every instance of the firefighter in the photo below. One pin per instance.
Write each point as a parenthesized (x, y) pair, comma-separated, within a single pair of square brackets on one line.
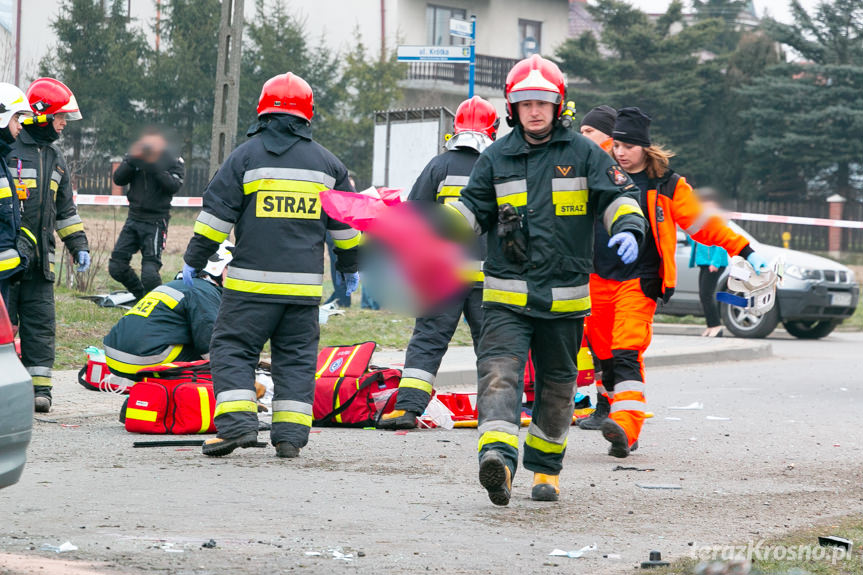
[(154, 173), (173, 322), (536, 192), (441, 181), (597, 125), (267, 191), (39, 170), (625, 294), (14, 105)]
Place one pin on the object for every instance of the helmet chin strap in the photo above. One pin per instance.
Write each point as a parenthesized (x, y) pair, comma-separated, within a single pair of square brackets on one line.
[(538, 136)]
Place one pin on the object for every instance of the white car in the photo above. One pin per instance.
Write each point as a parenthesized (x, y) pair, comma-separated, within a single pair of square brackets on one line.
[(816, 294)]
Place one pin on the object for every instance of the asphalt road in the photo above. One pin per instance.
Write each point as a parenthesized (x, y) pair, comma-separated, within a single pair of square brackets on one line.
[(790, 456)]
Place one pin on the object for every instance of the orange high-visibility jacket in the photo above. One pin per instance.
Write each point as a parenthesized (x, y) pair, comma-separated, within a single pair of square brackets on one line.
[(672, 203)]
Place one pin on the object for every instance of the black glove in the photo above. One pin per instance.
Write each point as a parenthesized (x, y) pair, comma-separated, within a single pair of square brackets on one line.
[(666, 295), (510, 231)]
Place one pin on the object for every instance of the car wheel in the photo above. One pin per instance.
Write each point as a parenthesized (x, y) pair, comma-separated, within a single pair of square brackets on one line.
[(810, 329), (743, 323)]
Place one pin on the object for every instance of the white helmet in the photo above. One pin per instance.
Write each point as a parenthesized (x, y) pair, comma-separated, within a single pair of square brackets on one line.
[(12, 101), (220, 260)]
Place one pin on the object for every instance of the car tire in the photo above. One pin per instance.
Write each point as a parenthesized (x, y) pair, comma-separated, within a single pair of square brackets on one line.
[(746, 325), (810, 329)]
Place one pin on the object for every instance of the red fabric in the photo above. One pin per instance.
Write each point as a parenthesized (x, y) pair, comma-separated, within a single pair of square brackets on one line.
[(163, 406)]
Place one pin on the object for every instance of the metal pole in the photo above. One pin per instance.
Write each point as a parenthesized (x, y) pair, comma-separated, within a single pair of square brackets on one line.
[(18, 46), (472, 65)]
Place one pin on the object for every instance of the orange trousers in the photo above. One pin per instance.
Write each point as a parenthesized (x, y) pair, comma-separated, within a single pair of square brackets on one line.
[(619, 330)]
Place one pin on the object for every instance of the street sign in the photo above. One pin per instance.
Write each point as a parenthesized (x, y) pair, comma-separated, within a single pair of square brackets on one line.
[(434, 53), (460, 28)]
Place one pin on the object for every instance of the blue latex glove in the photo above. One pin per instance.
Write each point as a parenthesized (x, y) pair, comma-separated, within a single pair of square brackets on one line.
[(352, 282), (628, 250), (189, 273), (83, 261), (757, 262)]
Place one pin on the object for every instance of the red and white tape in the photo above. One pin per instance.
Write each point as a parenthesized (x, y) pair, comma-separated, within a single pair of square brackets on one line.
[(746, 216), (104, 200)]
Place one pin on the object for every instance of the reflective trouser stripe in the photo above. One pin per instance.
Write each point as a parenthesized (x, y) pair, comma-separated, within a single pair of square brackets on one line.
[(42, 381), (627, 405), (629, 385), (148, 415), (497, 437), (346, 239), (499, 425), (236, 400), (414, 383), (288, 411), (39, 371), (9, 259), (542, 445)]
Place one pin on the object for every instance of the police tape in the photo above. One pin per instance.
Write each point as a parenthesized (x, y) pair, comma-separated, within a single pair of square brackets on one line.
[(773, 219), (104, 200)]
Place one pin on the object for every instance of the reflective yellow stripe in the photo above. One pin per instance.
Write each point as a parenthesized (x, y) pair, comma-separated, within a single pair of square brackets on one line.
[(338, 399), (68, 230), (545, 446), (326, 363), (414, 383), (473, 276), (570, 202), (30, 235), (450, 191), (239, 406), (292, 417), (209, 232), (42, 381), (497, 437), (626, 209), (54, 186), (205, 409), (283, 186), (141, 414), (349, 243), (9, 264), (5, 193), (501, 296), (132, 368), (515, 200), (273, 289), (30, 183), (567, 305), (584, 361)]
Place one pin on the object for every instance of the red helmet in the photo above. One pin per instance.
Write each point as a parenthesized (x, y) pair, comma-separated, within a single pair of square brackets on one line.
[(476, 115), (50, 96), (287, 94), (534, 78)]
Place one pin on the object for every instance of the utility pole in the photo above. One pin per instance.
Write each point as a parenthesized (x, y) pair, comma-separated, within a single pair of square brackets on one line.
[(227, 83), (18, 45)]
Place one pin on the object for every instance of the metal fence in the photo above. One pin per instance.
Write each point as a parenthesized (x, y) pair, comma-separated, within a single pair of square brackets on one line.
[(95, 178), (489, 71)]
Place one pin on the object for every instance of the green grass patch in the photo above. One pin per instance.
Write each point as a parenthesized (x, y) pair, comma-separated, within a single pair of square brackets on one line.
[(682, 319), (386, 328), (796, 553), (181, 216)]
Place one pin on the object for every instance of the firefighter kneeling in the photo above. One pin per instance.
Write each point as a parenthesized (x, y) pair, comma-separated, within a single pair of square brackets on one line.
[(268, 192), (174, 322), (537, 191)]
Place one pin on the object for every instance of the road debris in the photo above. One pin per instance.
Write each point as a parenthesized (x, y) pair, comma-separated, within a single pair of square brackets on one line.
[(624, 468), (339, 556), (717, 418), (573, 554), (211, 544), (658, 486), (834, 541), (692, 406), (63, 548), (655, 560)]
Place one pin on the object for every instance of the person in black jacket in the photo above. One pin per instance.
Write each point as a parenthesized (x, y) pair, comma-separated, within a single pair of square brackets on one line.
[(154, 174)]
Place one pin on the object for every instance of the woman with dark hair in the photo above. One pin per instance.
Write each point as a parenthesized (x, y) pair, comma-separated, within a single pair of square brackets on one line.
[(711, 262), (624, 296)]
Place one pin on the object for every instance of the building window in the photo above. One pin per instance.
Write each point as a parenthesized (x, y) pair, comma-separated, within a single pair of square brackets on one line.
[(529, 37), (437, 25)]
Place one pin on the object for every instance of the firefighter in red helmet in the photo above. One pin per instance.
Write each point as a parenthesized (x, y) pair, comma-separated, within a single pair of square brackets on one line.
[(441, 181), (267, 192), (536, 193), (42, 182)]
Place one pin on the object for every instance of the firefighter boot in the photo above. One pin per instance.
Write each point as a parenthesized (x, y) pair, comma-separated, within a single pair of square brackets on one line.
[(287, 450), (595, 419), (545, 487), (496, 477), (219, 447), (398, 419), (615, 434), (42, 399)]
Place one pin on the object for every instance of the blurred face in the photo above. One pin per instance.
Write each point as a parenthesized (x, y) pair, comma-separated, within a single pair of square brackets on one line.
[(15, 125), (594, 135), (630, 157), (535, 115), (59, 123)]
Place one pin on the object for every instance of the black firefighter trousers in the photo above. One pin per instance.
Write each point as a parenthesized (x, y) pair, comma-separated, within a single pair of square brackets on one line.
[(31, 306), (506, 338), (147, 237), (427, 347), (242, 328)]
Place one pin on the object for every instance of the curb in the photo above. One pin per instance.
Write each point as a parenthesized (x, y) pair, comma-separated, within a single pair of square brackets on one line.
[(696, 329)]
